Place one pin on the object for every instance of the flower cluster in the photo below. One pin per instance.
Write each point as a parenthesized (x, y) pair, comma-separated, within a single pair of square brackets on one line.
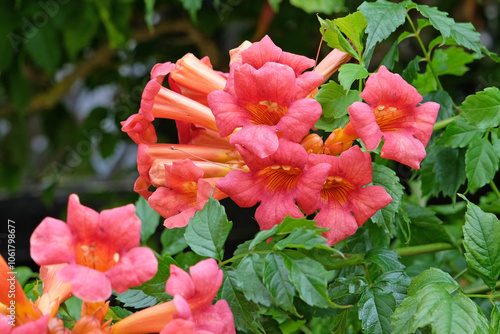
[(246, 135)]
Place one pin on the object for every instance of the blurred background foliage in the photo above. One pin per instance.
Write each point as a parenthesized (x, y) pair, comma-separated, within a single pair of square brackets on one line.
[(71, 71)]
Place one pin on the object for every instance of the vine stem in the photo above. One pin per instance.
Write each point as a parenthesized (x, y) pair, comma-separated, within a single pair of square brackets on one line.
[(427, 55), (443, 123), (483, 296), (495, 189)]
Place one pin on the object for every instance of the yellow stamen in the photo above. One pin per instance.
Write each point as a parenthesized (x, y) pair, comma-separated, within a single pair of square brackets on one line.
[(280, 177), (336, 188), (266, 112)]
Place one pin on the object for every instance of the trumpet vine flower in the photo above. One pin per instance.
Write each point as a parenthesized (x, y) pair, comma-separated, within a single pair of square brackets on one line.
[(391, 113), (346, 201), (277, 182), (100, 250)]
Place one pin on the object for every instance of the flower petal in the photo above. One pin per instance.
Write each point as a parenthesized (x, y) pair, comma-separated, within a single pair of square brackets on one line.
[(82, 221), (363, 119), (299, 119), (180, 283), (120, 228), (262, 140), (135, 267), (88, 284), (403, 148), (338, 219), (52, 243)]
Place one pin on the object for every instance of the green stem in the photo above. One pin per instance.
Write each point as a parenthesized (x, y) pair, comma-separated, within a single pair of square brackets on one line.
[(483, 296), (443, 123), (495, 189), (423, 249), (240, 256), (352, 260), (306, 330), (424, 50), (481, 289)]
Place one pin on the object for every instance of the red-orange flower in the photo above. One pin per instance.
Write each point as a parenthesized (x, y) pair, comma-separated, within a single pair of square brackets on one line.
[(346, 201)]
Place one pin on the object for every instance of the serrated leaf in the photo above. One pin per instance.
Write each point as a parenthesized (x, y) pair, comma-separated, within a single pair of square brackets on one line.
[(451, 61), (302, 238), (386, 177), (438, 19), (375, 310), (151, 292), (334, 101), (173, 241), (263, 236), (207, 231), (245, 312), (433, 276), (466, 35), (277, 280), (149, 218), (482, 250), (483, 108), (249, 273), (385, 258), (353, 26), (459, 133), (425, 226), (444, 99), (391, 57), (495, 318), (308, 277), (394, 282), (481, 163), (289, 224), (334, 37), (410, 73), (445, 312), (443, 170), (117, 313), (136, 299), (376, 14), (348, 73)]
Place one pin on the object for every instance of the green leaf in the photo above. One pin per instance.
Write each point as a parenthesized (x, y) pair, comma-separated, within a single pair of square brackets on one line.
[(277, 280), (80, 28), (308, 277), (151, 292), (302, 238), (348, 73), (482, 249), (263, 236), (443, 170), (385, 258), (334, 101), (481, 163), (44, 49), (495, 318), (23, 274), (425, 226), (445, 312), (433, 276), (275, 4), (466, 35), (483, 108), (334, 37), (435, 299), (376, 14), (173, 241), (444, 99), (451, 61), (387, 178), (391, 57), (136, 298), (207, 231), (245, 312), (375, 310), (353, 26), (249, 273), (192, 6), (117, 313), (459, 133), (394, 282), (411, 71), (438, 19), (115, 35), (319, 6), (149, 218), (289, 224)]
